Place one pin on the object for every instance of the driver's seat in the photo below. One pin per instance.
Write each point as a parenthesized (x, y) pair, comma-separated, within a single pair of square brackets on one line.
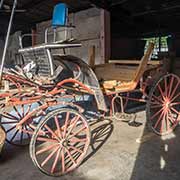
[(42, 54)]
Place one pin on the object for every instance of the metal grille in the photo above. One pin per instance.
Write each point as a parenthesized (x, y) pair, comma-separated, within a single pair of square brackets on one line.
[(41, 59)]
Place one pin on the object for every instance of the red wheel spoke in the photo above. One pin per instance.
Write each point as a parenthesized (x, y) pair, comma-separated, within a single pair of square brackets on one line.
[(74, 121), (50, 130), (174, 110), (75, 140), (66, 124), (156, 103), (62, 155), (76, 149), (49, 156), (156, 106), (158, 100), (174, 90), (167, 121), (163, 105), (165, 86), (80, 130), (55, 161), (162, 122), (175, 103), (159, 119), (70, 156), (171, 118), (170, 86), (62, 160), (58, 127), (175, 97), (46, 149), (162, 94), (47, 140), (32, 127), (156, 114)]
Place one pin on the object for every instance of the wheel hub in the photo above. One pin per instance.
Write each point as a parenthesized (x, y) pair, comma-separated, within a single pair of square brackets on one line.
[(64, 142), (167, 103)]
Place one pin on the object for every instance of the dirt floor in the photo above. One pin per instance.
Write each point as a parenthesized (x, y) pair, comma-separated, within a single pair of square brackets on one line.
[(118, 152)]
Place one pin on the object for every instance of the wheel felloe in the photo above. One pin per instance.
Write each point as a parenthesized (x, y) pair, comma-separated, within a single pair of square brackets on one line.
[(64, 143), (163, 106)]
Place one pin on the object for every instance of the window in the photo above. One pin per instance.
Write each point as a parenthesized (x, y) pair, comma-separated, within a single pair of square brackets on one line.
[(161, 45)]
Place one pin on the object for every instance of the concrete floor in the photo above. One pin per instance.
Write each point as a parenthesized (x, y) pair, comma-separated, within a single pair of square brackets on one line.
[(118, 152)]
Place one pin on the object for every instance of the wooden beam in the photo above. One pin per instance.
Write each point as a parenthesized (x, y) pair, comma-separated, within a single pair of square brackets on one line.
[(135, 62), (105, 36), (34, 37), (92, 54)]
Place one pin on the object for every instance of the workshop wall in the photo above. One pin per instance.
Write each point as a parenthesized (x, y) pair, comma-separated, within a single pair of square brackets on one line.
[(87, 30), (12, 51)]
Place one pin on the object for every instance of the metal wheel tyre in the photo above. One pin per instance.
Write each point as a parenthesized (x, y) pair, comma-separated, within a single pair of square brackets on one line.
[(60, 142), (9, 120), (163, 106)]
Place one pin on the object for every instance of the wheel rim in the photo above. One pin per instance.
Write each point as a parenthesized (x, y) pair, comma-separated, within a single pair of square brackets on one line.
[(10, 119), (60, 142), (164, 105)]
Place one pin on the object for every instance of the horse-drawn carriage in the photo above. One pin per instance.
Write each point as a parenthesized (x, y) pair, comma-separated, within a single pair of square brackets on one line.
[(40, 101)]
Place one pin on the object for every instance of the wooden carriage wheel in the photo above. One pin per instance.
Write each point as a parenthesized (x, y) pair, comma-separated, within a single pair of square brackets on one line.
[(14, 115), (60, 142), (163, 106)]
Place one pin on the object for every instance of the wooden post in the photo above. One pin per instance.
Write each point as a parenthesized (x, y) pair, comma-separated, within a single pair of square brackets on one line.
[(34, 37), (92, 54), (105, 36)]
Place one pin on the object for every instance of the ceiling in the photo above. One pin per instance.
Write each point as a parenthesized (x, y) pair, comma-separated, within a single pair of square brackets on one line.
[(145, 17), (128, 17), (35, 11)]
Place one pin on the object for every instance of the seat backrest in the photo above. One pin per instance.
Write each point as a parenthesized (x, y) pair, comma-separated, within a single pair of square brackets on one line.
[(143, 64), (60, 15), (43, 60)]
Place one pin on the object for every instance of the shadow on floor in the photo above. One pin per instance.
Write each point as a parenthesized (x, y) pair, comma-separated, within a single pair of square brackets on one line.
[(158, 157), (100, 132), (17, 162)]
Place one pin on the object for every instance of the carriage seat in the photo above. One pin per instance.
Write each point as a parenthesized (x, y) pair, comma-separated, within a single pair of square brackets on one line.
[(121, 78)]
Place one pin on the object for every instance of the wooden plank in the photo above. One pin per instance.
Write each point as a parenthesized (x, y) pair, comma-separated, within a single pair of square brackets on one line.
[(105, 36), (108, 72), (92, 54), (159, 62)]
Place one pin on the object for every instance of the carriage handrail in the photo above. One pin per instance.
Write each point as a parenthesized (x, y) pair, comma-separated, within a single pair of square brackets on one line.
[(26, 35), (67, 27), (51, 46)]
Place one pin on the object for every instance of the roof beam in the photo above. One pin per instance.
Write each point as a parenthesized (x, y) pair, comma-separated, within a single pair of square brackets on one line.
[(105, 4)]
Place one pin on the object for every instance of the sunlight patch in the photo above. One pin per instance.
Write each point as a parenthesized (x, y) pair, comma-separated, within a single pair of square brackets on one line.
[(169, 136), (162, 163)]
